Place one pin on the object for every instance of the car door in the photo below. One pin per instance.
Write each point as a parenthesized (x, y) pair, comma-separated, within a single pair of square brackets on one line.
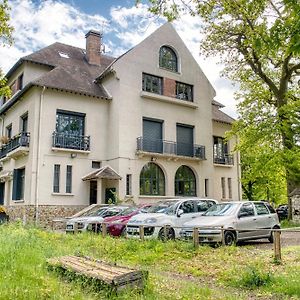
[(264, 219), (246, 221), (188, 208)]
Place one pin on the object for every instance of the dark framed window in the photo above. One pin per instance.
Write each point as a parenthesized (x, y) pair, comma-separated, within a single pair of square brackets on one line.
[(70, 123), (184, 91), (20, 82), (223, 187), (261, 209), (152, 180), (24, 123), (168, 59), (152, 84), (206, 187), (185, 182), (9, 131), (229, 183), (152, 135), (220, 150), (96, 164), (247, 210), (128, 184), (69, 179), (18, 184), (185, 139), (56, 179)]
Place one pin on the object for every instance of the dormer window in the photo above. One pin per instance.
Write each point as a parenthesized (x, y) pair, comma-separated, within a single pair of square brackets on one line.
[(168, 59), (63, 55)]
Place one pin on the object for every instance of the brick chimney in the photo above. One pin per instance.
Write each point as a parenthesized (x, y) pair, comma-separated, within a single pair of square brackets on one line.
[(93, 44)]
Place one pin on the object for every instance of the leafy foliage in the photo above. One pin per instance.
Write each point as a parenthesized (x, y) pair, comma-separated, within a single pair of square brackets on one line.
[(5, 39)]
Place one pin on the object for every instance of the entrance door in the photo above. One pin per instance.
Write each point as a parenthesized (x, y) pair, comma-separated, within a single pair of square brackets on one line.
[(93, 192), (2, 189), (110, 195)]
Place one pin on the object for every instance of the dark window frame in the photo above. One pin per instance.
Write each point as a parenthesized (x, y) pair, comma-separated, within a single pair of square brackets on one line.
[(128, 184), (18, 184), (184, 91), (152, 180), (168, 59), (220, 148), (96, 164), (149, 84), (24, 122), (9, 131), (69, 171), (69, 114), (56, 178), (188, 184)]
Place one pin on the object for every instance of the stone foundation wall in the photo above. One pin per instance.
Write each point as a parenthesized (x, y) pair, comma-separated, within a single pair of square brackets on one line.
[(46, 214), (296, 207)]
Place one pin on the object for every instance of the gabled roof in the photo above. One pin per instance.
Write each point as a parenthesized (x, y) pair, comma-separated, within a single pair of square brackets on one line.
[(105, 172), (220, 116), (71, 73)]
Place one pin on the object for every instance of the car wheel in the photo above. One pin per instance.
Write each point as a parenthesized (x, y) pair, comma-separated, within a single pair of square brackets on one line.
[(229, 238), (271, 237), (170, 234)]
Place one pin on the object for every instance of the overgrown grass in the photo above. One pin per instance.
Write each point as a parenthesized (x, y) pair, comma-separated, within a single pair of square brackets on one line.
[(289, 224), (177, 271)]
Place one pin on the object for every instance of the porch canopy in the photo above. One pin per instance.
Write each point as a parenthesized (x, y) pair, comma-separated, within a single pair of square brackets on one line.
[(105, 172)]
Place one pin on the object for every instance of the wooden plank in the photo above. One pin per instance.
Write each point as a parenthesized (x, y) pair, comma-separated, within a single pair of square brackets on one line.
[(115, 276)]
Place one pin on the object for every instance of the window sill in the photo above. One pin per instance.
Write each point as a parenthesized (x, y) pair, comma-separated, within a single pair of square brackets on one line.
[(163, 98), (222, 165), (18, 201), (62, 194)]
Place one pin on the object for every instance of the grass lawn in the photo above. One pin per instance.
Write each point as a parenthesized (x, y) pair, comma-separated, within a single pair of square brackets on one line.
[(176, 270)]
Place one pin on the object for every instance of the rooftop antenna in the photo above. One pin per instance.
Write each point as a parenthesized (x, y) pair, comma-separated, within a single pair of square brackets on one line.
[(102, 46)]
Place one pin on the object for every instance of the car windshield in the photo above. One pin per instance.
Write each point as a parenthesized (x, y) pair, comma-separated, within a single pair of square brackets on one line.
[(127, 211), (223, 209), (94, 213), (167, 207)]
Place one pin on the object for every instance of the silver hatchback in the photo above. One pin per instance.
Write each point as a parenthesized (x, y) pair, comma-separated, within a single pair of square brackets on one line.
[(238, 220)]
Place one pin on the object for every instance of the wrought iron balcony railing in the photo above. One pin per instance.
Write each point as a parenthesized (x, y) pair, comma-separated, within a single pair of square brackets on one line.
[(20, 140), (172, 148), (67, 141), (225, 159)]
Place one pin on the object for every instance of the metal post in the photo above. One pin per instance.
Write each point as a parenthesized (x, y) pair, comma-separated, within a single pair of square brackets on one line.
[(277, 245), (104, 229), (196, 237), (142, 233)]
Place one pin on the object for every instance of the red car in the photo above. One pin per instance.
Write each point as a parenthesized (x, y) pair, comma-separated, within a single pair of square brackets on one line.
[(116, 224)]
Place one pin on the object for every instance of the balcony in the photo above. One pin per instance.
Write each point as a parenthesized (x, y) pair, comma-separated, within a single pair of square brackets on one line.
[(16, 146), (225, 159), (73, 142), (168, 148)]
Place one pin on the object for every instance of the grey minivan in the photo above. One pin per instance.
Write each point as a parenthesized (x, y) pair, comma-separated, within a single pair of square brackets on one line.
[(241, 220)]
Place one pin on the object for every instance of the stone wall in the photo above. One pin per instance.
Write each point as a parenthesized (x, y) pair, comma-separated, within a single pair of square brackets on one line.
[(47, 214)]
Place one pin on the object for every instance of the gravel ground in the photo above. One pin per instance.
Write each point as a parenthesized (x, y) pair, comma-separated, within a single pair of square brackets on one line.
[(287, 239)]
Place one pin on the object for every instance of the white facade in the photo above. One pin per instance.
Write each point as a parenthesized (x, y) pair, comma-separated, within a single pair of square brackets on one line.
[(114, 124)]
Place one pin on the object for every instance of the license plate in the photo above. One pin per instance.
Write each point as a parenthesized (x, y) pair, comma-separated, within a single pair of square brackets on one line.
[(188, 234), (69, 226), (129, 229)]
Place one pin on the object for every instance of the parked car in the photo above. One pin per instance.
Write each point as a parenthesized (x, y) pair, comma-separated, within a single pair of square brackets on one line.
[(282, 211), (3, 216), (116, 225), (240, 220), (172, 212), (93, 217)]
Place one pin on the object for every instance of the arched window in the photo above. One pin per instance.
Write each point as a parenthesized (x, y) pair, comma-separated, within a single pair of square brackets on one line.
[(168, 59), (152, 180), (185, 182)]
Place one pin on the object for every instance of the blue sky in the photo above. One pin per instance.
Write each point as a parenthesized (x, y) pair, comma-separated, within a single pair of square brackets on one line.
[(39, 23)]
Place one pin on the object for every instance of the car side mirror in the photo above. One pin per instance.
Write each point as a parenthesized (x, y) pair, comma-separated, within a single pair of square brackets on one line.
[(179, 212)]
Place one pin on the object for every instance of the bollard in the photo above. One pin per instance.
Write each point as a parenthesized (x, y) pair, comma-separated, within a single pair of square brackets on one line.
[(223, 235), (104, 229), (142, 233), (277, 245), (75, 227), (196, 237)]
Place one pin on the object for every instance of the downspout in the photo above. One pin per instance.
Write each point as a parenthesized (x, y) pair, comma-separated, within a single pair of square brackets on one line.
[(38, 157), (238, 170), (2, 127)]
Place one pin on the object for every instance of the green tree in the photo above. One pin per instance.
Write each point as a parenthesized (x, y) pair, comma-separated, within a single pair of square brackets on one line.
[(259, 44), (5, 39)]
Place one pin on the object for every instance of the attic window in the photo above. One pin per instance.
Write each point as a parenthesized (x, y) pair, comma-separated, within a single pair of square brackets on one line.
[(64, 55)]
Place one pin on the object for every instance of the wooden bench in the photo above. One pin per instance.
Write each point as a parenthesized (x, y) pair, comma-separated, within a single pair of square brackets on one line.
[(109, 275)]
